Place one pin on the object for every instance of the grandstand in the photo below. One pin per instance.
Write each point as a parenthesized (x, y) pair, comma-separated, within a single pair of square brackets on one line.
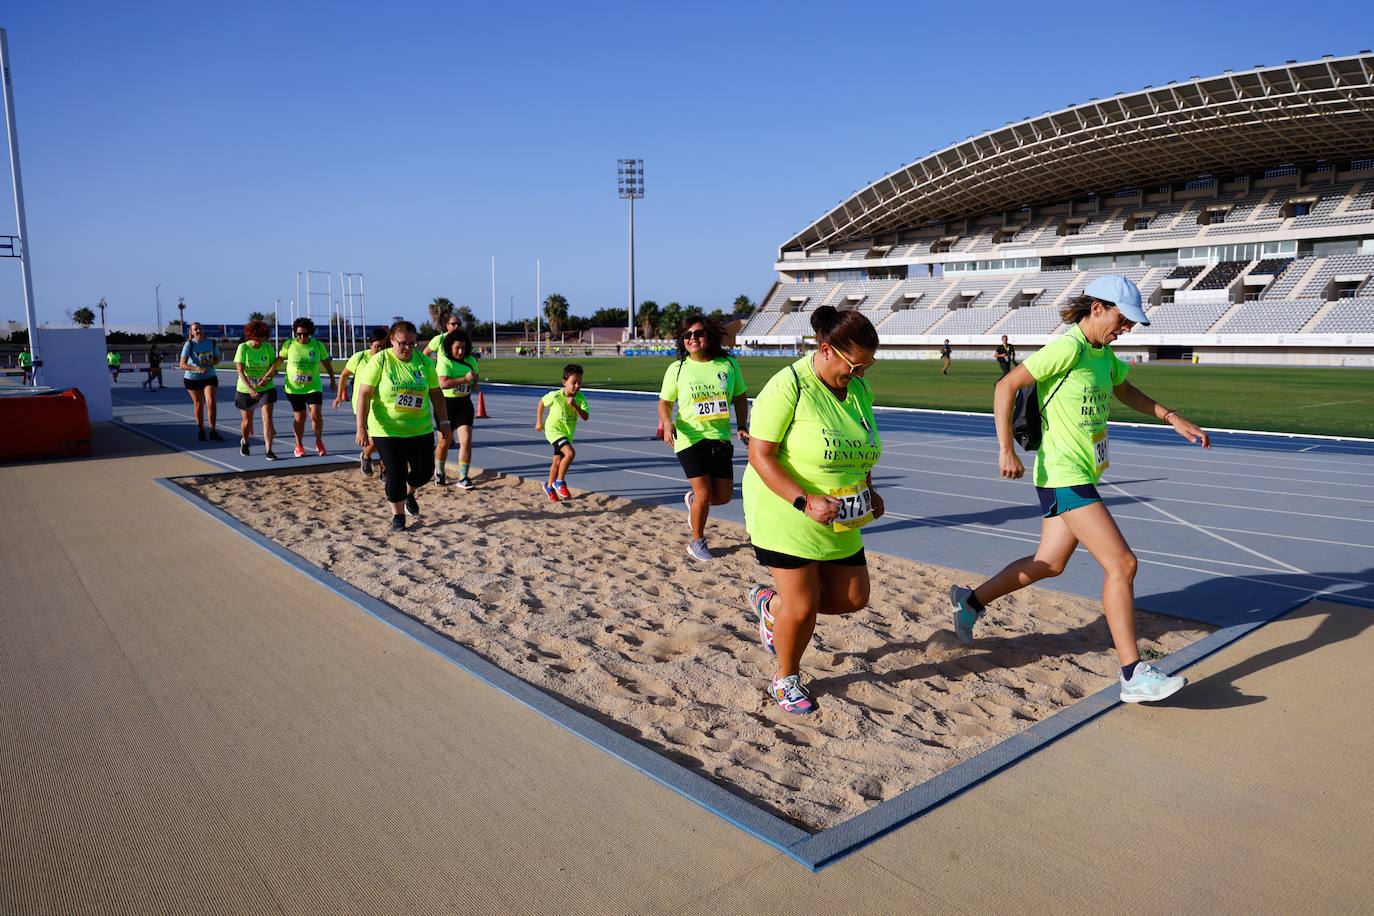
[(1241, 204)]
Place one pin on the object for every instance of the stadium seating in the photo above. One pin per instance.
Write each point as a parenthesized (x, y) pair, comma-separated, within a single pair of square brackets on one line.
[(1348, 316), (1269, 316)]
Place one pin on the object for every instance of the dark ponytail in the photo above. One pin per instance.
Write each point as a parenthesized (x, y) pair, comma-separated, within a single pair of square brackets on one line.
[(848, 330)]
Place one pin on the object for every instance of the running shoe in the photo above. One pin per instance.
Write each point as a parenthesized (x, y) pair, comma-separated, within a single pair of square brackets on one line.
[(412, 507), (563, 492), (214, 434), (698, 550), (300, 451), (789, 693), (200, 434), (320, 449), (271, 455), (440, 479), (365, 463), (465, 483), (243, 447), (1149, 684), (759, 597), (398, 523), (552, 493), (964, 616)]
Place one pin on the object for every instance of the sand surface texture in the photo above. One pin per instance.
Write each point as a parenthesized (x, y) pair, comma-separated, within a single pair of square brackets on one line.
[(595, 600)]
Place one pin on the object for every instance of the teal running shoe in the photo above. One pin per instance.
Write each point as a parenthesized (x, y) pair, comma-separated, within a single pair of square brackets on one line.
[(964, 616), (1149, 685)]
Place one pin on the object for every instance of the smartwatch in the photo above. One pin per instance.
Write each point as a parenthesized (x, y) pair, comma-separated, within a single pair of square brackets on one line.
[(799, 503)]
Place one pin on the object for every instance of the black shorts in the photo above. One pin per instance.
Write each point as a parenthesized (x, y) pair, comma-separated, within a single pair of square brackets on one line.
[(298, 401), (777, 560), (196, 384), (460, 412), (712, 458), (245, 401), (559, 443)]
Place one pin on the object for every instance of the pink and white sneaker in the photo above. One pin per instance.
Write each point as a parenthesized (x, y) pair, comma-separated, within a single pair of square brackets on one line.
[(789, 693), (759, 598)]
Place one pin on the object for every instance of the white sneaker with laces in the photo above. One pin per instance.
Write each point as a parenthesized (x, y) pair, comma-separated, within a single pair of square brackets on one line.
[(1149, 685)]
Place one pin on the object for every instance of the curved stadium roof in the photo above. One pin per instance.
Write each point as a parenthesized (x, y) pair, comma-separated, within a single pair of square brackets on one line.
[(1255, 119)]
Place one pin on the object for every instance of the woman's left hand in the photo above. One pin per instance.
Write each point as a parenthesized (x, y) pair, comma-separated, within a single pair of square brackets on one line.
[(744, 436), (879, 508), (1190, 431)]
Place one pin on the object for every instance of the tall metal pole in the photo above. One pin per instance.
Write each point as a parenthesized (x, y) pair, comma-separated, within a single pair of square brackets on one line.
[(538, 335), (157, 299), (362, 312), (25, 269), (493, 306), (630, 308), (630, 185), (276, 321)]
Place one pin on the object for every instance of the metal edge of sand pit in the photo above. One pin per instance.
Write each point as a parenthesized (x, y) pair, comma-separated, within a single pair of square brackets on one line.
[(814, 851)]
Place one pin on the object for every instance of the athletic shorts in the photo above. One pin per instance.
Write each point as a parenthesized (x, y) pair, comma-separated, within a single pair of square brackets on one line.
[(298, 401), (245, 401), (196, 384), (777, 560), (460, 412), (559, 443), (709, 458), (1058, 500)]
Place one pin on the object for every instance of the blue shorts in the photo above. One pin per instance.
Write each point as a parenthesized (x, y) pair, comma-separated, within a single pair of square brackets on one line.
[(1058, 500)]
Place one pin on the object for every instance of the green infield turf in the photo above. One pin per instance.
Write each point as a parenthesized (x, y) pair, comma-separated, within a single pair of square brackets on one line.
[(1331, 402)]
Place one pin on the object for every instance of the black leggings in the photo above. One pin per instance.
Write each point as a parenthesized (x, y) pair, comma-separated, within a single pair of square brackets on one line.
[(408, 460)]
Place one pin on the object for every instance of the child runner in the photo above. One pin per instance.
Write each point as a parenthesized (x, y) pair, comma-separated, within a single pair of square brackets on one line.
[(379, 342), (457, 378), (198, 359), (703, 383), (565, 405), (304, 355), (255, 364), (1077, 375)]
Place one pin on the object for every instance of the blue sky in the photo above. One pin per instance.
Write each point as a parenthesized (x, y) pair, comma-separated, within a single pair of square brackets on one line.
[(218, 153)]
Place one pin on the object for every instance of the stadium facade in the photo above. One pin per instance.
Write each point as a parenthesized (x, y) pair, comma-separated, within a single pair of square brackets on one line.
[(1241, 204)]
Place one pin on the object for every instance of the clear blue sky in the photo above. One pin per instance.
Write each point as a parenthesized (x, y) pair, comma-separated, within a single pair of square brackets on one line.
[(218, 153)]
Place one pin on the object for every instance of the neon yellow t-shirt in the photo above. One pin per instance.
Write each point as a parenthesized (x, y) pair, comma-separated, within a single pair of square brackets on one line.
[(357, 361), (436, 344), (256, 361), (828, 447), (560, 420), (303, 365), (400, 401), (1073, 449), (113, 359), (25, 359), (456, 368), (703, 391)]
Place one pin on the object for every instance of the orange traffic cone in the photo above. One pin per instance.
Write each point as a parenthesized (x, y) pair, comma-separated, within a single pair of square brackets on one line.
[(482, 406)]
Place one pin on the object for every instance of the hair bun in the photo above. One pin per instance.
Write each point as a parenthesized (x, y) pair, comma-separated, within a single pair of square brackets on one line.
[(824, 320)]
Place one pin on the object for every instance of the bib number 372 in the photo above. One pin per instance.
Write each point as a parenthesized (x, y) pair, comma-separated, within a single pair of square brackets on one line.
[(856, 507)]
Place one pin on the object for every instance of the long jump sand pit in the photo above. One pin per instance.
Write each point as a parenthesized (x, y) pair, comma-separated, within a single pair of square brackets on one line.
[(595, 601)]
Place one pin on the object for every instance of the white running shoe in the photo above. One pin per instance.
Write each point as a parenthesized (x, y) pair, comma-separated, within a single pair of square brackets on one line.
[(1149, 685)]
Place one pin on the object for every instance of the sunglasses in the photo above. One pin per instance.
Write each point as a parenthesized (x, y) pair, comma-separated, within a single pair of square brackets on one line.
[(858, 369), (693, 335)]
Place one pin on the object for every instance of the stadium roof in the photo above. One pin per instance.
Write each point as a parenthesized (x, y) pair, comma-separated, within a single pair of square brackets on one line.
[(1235, 122)]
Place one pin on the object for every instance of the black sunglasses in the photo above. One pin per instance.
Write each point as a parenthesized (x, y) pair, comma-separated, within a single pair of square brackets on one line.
[(693, 335)]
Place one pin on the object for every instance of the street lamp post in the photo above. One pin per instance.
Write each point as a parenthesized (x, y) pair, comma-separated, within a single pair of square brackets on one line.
[(157, 299), (181, 314), (630, 183)]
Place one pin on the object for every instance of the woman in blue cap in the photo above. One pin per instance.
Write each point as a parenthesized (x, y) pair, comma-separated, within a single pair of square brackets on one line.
[(1077, 375)]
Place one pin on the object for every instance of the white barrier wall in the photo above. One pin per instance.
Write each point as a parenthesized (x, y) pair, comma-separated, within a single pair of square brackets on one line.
[(75, 358)]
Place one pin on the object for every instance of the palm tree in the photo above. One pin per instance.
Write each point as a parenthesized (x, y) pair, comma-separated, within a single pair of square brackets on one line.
[(556, 312), (439, 310), (744, 307), (648, 318), (256, 316), (466, 319), (668, 319), (83, 317)]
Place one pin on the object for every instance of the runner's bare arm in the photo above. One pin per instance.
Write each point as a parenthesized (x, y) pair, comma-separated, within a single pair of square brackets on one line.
[(742, 417), (1141, 402), (1003, 400), (763, 458), (665, 420)]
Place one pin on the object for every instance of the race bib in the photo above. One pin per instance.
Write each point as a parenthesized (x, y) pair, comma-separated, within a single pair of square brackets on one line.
[(463, 389), (410, 402), (712, 409), (1100, 451), (856, 507), (304, 378)]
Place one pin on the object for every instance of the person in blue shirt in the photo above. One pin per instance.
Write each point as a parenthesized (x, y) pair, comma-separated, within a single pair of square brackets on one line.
[(199, 357)]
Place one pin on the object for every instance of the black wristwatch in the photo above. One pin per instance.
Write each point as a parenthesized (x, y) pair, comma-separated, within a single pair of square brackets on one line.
[(799, 503)]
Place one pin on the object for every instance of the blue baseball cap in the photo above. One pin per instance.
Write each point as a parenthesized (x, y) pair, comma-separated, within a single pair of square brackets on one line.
[(1120, 292)]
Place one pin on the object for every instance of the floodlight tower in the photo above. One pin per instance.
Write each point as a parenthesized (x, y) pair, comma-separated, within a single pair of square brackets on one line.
[(630, 182)]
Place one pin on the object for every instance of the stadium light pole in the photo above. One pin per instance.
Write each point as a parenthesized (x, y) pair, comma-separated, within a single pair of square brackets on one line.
[(493, 306), (21, 221), (630, 183), (157, 307)]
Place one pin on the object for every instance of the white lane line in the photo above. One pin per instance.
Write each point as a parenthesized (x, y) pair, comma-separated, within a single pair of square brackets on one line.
[(1310, 447), (1212, 534), (1332, 404)]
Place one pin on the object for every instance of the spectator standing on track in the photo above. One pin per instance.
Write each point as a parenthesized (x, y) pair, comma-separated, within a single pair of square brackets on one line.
[(1006, 356), (112, 360), (945, 352), (397, 403), (198, 359), (255, 364), (703, 384), (26, 365), (304, 355), (379, 342), (1076, 377), (154, 368), (458, 379), (566, 406), (813, 442)]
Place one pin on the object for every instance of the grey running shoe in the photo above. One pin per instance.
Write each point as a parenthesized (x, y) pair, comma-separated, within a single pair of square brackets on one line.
[(1149, 684), (698, 550), (964, 616), (398, 523)]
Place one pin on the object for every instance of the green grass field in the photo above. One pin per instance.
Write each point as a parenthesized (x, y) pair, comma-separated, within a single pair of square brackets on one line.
[(1332, 402)]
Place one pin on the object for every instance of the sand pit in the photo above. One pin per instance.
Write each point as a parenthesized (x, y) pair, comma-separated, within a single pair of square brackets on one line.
[(594, 600)]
